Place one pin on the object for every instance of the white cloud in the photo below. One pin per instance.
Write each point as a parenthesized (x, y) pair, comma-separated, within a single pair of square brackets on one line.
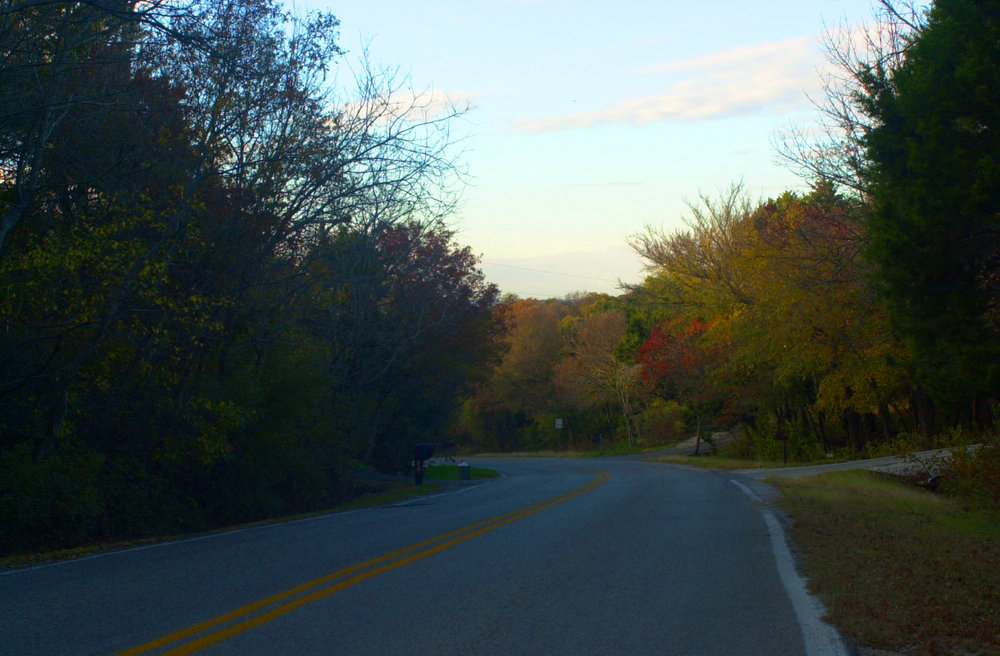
[(430, 103), (773, 53), (407, 103), (770, 77)]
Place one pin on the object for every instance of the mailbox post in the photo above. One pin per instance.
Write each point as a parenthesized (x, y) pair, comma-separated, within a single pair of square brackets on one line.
[(421, 451), (782, 436)]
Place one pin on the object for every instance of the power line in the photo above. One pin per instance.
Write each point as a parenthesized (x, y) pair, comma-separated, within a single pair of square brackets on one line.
[(551, 273)]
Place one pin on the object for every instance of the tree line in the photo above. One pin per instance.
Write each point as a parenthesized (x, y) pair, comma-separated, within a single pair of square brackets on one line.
[(227, 277), (225, 271), (850, 317)]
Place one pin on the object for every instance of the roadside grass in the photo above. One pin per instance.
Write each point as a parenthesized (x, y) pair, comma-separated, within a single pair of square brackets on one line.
[(451, 472), (613, 450), (392, 492), (898, 567), (721, 462), (383, 493), (621, 450), (541, 453)]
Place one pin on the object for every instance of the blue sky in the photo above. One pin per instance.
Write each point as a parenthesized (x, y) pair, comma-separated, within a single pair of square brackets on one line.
[(592, 120)]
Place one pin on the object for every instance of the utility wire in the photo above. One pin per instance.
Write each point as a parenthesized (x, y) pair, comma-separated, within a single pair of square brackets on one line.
[(551, 273)]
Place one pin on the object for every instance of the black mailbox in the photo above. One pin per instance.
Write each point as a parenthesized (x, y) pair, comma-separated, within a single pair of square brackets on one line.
[(421, 451)]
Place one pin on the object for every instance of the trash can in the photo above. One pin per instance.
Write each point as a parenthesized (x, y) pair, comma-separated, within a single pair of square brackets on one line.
[(464, 471)]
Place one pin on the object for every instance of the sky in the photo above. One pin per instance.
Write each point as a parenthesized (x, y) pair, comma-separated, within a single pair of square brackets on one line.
[(590, 121)]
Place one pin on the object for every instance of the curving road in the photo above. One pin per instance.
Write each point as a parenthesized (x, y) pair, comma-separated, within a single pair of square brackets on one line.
[(610, 556)]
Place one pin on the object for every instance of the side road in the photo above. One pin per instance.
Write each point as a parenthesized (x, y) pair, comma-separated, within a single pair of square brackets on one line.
[(923, 461)]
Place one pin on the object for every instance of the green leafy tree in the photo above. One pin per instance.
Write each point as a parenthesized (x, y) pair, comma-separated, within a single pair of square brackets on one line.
[(593, 374), (934, 153), (796, 336), (524, 379), (185, 199)]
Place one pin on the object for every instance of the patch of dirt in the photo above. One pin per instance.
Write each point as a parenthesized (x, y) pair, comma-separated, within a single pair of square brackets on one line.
[(871, 651)]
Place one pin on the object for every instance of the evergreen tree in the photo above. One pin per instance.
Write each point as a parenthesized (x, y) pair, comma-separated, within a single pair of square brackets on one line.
[(934, 153)]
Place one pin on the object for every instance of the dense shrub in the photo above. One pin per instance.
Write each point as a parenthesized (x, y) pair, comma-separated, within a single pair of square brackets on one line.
[(52, 500), (973, 474)]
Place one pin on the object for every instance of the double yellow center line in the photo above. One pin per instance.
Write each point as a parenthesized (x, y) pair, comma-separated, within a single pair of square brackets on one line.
[(260, 612)]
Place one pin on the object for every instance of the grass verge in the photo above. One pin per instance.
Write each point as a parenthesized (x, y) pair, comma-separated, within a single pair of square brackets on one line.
[(720, 462), (614, 450), (377, 495), (451, 472), (898, 567)]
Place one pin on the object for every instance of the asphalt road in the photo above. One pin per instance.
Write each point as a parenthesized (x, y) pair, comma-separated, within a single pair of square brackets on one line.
[(608, 556)]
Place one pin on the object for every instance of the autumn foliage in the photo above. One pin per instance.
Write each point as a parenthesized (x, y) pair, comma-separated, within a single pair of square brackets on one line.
[(224, 280), (222, 283), (757, 317)]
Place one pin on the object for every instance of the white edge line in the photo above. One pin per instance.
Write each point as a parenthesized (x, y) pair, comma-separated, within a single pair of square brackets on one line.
[(820, 638), (753, 495)]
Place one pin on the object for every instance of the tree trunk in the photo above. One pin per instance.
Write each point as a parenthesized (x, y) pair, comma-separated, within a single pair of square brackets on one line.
[(883, 413), (983, 414), (924, 414), (821, 425), (808, 419), (853, 420)]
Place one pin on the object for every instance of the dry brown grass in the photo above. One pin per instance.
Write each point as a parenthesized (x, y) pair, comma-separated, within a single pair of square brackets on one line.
[(898, 567)]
